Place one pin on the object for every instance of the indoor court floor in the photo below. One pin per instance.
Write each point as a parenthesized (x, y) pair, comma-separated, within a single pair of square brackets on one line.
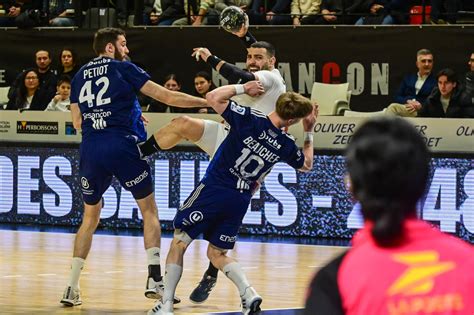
[(34, 268)]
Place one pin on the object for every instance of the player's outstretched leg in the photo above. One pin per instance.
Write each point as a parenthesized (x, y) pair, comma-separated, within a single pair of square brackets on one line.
[(181, 128), (82, 246), (250, 299), (205, 286)]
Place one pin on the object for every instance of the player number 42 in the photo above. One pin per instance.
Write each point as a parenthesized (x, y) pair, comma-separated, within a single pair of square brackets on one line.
[(86, 94)]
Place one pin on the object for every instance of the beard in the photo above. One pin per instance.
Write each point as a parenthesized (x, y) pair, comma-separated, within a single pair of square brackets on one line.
[(119, 56)]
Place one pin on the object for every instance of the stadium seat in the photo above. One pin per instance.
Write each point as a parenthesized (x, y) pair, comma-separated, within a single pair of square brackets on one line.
[(416, 14), (333, 99)]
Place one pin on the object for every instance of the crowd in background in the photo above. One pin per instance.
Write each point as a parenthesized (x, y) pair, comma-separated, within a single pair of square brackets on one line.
[(425, 93), (125, 13)]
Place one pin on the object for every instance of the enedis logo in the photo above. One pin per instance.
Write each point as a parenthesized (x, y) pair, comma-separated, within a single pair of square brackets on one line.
[(416, 284)]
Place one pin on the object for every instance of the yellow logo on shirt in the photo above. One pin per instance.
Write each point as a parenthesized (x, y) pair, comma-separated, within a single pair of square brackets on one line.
[(423, 267)]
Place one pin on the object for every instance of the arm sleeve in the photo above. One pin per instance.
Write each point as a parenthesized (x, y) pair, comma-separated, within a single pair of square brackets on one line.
[(296, 156), (323, 296), (237, 116), (134, 75), (234, 74)]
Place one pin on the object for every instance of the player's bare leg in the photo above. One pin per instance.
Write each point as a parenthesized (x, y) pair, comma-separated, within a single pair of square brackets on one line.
[(82, 246), (230, 267), (180, 128)]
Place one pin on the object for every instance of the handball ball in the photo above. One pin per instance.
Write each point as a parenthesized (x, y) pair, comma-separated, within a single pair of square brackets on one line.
[(232, 18)]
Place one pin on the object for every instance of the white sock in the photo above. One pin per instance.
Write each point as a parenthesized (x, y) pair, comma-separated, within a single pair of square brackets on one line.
[(234, 272), (77, 265), (153, 255), (172, 275)]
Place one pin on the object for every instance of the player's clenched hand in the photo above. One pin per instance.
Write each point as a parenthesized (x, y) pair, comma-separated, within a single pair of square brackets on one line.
[(310, 121), (254, 88), (201, 52)]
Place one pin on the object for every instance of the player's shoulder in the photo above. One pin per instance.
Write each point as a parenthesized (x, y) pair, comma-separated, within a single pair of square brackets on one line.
[(270, 74)]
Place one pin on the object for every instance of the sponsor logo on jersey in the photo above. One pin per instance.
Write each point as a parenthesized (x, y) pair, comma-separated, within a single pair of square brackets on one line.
[(84, 183), (412, 292), (269, 139), (137, 180), (237, 108), (419, 278), (196, 216), (227, 238)]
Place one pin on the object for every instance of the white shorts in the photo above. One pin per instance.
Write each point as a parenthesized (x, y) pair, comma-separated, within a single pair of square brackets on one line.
[(212, 137)]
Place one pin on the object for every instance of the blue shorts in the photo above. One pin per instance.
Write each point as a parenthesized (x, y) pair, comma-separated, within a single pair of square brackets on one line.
[(112, 155), (216, 212)]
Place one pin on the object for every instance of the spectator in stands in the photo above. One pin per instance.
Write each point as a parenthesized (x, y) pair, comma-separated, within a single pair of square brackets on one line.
[(398, 264), (190, 10), (445, 100), (467, 98), (337, 12), (415, 88), (386, 12), (12, 10), (162, 12), (222, 4), (47, 76), (58, 12), (61, 101), (171, 83), (69, 62), (207, 15), (28, 95), (444, 11), (203, 84), (305, 12), (271, 12)]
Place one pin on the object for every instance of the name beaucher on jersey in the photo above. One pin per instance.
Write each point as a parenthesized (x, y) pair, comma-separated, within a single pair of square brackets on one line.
[(251, 149), (106, 90)]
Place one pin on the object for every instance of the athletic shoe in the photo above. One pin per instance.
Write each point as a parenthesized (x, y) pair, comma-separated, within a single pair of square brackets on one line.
[(161, 309), (156, 289), (204, 288), (71, 297), (251, 301)]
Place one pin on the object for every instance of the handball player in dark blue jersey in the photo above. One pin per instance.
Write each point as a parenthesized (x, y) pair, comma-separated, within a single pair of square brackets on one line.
[(105, 106), (218, 204)]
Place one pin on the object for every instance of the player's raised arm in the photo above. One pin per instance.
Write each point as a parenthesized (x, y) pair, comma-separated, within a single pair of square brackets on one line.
[(219, 98), (172, 98), (227, 70), (308, 149)]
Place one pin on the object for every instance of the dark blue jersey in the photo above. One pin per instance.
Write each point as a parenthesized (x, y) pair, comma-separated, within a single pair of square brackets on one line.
[(250, 150), (106, 91)]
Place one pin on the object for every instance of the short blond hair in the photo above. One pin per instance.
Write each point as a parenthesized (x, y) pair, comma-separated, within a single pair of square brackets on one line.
[(291, 105)]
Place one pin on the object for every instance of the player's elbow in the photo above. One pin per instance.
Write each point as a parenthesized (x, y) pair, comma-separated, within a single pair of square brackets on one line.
[(212, 98), (307, 166)]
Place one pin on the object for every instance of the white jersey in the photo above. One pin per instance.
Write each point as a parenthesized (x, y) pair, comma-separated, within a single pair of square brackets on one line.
[(274, 86)]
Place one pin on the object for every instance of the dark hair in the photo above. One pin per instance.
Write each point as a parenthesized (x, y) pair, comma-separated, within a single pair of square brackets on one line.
[(449, 73), (291, 105), (262, 44), (104, 36), (387, 160), (64, 79), (75, 58), (45, 50), (206, 75), (173, 77), (21, 91), (203, 74)]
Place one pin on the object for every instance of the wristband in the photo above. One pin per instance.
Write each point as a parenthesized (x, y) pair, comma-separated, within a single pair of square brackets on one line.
[(308, 136), (239, 89), (213, 61)]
